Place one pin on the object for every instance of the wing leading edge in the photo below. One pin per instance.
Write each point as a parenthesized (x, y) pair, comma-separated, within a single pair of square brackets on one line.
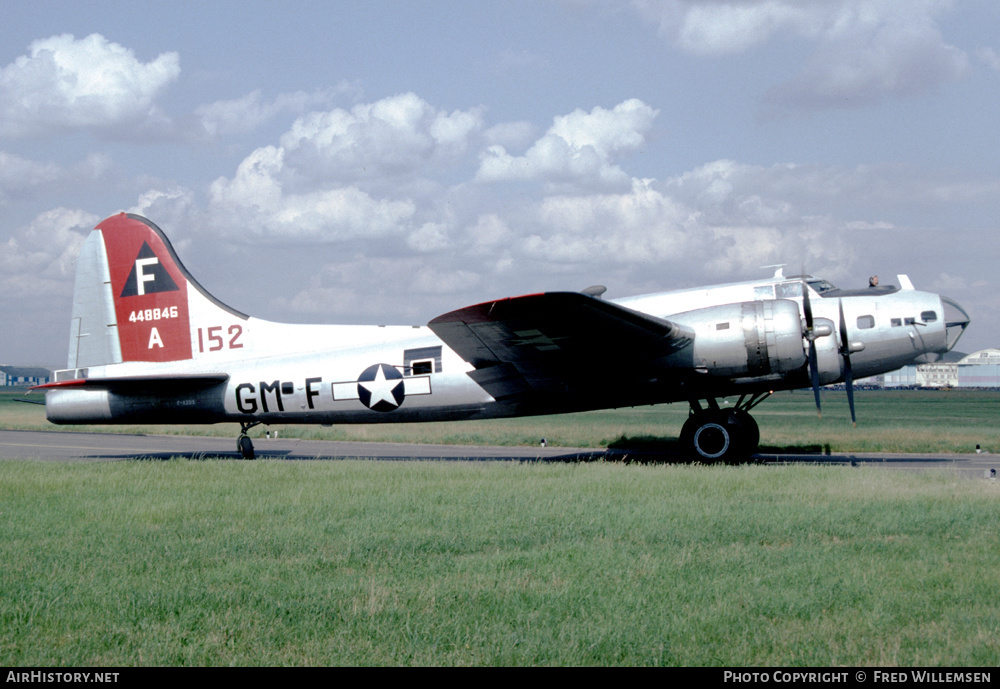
[(553, 342)]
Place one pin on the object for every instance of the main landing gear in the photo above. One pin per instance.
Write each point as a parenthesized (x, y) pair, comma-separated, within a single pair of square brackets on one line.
[(243, 443), (723, 435)]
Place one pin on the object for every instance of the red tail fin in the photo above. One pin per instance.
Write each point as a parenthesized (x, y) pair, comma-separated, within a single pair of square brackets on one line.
[(135, 301), (150, 291)]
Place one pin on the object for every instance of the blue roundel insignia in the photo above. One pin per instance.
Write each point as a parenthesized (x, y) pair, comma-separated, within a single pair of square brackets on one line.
[(380, 387)]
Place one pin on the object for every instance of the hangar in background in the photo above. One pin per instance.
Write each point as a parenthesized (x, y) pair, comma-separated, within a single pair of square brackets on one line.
[(23, 376), (977, 370)]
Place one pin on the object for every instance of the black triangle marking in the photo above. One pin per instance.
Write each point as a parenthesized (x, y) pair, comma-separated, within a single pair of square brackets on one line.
[(155, 277)]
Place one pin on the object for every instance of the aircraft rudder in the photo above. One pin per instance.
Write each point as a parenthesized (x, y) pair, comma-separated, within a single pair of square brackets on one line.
[(149, 289)]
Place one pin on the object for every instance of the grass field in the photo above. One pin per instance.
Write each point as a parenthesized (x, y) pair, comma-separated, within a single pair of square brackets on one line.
[(492, 563), (357, 563), (888, 421)]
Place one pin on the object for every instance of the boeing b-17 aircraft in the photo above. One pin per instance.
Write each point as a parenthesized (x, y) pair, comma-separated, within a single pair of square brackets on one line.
[(148, 344)]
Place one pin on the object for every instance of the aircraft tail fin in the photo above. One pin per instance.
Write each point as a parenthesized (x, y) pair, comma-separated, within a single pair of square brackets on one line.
[(134, 300)]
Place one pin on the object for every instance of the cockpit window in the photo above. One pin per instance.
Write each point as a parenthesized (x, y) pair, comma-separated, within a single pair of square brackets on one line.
[(928, 316), (820, 286), (788, 290)]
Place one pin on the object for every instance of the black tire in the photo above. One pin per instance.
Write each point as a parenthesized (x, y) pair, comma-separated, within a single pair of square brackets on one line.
[(750, 433), (719, 436), (245, 446)]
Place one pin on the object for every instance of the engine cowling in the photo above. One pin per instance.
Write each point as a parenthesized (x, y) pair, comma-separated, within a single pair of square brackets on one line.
[(748, 340)]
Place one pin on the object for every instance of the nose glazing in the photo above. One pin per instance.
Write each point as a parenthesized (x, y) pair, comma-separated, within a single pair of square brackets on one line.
[(956, 320)]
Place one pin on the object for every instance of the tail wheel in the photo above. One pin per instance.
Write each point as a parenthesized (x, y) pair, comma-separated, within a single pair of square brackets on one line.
[(245, 446)]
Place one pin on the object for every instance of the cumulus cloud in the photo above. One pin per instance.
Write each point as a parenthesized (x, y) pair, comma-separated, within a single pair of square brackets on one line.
[(724, 218), (64, 83), (731, 26), (17, 175), (396, 137), (255, 203), (246, 113), (345, 174), (40, 259), (637, 226), (511, 134), (359, 286), (457, 242), (579, 147), (431, 236), (865, 50), (897, 58), (21, 177)]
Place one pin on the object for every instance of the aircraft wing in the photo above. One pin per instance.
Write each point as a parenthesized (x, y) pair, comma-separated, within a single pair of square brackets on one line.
[(553, 342)]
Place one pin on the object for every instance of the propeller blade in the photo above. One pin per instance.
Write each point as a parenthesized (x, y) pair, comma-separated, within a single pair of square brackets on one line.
[(811, 336), (845, 345), (845, 351), (814, 376), (806, 306), (849, 382)]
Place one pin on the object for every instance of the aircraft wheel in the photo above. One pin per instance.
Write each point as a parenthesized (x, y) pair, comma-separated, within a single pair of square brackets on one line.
[(750, 432), (245, 446), (716, 436)]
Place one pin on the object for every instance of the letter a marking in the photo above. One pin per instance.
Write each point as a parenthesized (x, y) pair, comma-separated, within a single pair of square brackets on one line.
[(154, 339)]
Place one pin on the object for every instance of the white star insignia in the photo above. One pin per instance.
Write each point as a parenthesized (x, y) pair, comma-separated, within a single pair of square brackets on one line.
[(381, 388)]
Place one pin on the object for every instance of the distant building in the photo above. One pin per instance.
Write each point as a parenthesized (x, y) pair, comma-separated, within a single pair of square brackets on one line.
[(977, 370), (905, 377), (937, 375), (23, 376), (980, 370)]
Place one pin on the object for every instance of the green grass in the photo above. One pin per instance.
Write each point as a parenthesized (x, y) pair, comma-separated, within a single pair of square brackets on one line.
[(888, 421), (357, 563), (408, 563)]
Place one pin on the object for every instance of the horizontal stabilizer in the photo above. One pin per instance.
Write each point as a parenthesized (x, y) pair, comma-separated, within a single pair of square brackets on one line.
[(141, 384)]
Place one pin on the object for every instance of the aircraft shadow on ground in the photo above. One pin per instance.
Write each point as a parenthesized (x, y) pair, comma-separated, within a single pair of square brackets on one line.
[(672, 450), (648, 450)]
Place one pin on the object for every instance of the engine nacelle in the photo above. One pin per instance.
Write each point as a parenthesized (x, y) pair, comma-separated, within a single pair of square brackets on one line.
[(753, 339)]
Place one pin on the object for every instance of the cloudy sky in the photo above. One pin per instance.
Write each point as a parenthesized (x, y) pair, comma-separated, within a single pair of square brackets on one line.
[(386, 161)]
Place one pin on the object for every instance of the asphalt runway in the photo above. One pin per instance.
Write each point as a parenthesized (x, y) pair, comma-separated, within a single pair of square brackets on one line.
[(62, 446)]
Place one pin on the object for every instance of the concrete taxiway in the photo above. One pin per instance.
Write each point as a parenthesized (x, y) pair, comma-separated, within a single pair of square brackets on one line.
[(95, 447)]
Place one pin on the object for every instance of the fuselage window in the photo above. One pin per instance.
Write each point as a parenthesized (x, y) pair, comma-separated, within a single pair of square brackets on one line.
[(928, 316), (866, 322), (722, 326), (910, 321), (420, 361), (895, 322), (422, 368)]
